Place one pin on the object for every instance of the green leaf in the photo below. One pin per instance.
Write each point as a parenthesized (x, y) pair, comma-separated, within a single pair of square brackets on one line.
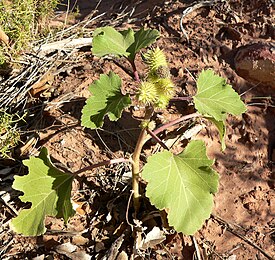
[(49, 191), (106, 100), (143, 38), (108, 41), (216, 98), (221, 128), (183, 185)]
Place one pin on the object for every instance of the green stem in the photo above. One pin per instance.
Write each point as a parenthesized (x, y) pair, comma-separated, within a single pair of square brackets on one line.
[(136, 161)]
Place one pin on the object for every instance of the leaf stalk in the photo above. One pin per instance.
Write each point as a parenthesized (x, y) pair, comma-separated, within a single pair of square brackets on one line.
[(181, 99), (175, 122), (163, 145), (136, 161), (136, 76)]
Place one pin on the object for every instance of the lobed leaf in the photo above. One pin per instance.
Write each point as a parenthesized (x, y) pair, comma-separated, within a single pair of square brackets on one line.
[(107, 99), (49, 191), (108, 41), (215, 98), (143, 38), (183, 185)]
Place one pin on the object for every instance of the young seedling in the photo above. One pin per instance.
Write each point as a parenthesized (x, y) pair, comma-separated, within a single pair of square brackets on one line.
[(182, 184)]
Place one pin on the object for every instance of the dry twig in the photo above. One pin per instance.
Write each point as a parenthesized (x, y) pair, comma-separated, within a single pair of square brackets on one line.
[(232, 230)]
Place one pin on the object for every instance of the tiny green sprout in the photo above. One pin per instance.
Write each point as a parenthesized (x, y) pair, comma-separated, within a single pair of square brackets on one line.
[(148, 124), (152, 125)]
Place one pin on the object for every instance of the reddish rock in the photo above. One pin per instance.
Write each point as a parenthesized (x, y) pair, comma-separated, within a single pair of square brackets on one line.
[(256, 63)]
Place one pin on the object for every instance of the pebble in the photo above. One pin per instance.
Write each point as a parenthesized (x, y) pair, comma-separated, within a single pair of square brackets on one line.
[(256, 63)]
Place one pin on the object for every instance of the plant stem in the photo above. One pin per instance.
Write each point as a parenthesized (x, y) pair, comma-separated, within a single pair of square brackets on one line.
[(103, 163), (174, 122), (136, 76), (136, 169), (157, 139), (136, 160), (181, 99)]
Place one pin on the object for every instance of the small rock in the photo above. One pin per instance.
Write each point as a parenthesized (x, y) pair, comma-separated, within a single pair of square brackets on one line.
[(79, 240), (99, 246), (256, 63), (122, 256)]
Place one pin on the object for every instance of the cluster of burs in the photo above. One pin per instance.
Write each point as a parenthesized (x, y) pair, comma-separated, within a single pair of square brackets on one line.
[(157, 88)]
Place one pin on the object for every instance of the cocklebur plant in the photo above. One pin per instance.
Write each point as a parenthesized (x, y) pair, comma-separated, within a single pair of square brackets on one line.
[(181, 184)]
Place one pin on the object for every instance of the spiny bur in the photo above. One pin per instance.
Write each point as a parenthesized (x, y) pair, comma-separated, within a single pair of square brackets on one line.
[(158, 88)]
